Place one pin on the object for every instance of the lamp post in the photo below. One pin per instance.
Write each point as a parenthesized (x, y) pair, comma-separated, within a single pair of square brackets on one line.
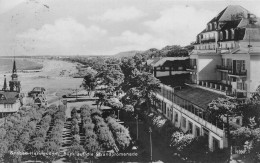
[(136, 127), (151, 145)]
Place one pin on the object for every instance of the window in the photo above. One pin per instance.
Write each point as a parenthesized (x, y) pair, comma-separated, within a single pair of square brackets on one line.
[(190, 128), (197, 131), (227, 34), (229, 62), (223, 62), (176, 117), (232, 34), (183, 122), (221, 36), (215, 144)]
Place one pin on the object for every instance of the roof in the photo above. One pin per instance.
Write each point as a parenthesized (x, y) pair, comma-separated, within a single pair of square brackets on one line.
[(38, 89), (231, 17), (230, 13), (198, 96), (160, 61), (8, 97)]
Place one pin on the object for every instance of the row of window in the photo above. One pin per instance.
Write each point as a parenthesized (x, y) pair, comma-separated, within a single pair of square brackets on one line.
[(213, 46), (211, 26), (174, 117), (8, 105), (185, 124), (223, 35)]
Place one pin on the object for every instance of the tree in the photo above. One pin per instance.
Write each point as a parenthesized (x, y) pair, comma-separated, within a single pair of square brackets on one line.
[(115, 104), (89, 80), (76, 153), (148, 85), (223, 109), (3, 149), (121, 134), (2, 133), (132, 97), (111, 77), (128, 108), (101, 98), (91, 144), (51, 147)]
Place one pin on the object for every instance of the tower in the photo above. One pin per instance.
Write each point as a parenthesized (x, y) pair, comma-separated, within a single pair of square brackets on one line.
[(5, 85), (14, 84)]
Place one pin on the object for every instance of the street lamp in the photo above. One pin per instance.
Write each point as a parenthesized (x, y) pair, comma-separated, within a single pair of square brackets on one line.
[(151, 145), (136, 127)]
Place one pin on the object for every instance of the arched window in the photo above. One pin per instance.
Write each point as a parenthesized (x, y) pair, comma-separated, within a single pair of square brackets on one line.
[(221, 35), (226, 34), (215, 25), (232, 34), (210, 26)]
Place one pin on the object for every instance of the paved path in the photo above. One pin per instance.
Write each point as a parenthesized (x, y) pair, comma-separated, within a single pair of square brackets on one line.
[(161, 153)]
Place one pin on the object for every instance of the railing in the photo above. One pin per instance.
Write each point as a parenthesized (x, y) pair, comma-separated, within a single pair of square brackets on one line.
[(237, 72), (168, 93), (206, 40), (215, 85), (221, 67), (191, 67), (234, 93)]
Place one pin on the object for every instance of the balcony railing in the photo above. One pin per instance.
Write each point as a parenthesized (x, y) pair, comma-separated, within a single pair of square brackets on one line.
[(215, 85), (221, 67), (191, 67), (234, 93), (207, 40), (237, 72), (168, 93)]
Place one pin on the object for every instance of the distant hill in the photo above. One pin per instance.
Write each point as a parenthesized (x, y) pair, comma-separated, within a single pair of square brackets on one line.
[(127, 54)]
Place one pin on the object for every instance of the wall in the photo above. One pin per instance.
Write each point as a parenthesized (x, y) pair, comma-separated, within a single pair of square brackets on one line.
[(196, 121), (255, 72), (167, 73), (206, 65), (14, 108)]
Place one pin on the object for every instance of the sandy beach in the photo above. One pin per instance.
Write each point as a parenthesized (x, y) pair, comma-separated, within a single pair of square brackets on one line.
[(55, 77)]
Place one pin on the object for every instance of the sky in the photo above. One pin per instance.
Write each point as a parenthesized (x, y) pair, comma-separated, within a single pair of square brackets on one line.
[(104, 27)]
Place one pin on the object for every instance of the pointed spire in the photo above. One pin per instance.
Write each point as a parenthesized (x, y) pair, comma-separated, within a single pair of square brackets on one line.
[(14, 67), (5, 85)]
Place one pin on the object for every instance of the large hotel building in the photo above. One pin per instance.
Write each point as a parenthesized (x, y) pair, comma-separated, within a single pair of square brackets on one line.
[(224, 63)]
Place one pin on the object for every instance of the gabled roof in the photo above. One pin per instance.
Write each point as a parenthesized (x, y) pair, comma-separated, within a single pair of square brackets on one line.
[(38, 89), (8, 97), (230, 13)]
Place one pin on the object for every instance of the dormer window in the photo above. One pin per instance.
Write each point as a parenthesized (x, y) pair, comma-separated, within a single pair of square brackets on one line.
[(210, 26), (215, 25), (232, 34), (221, 36), (226, 34)]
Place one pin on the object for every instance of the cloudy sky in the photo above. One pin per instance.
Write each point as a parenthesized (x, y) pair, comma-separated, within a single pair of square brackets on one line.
[(103, 27)]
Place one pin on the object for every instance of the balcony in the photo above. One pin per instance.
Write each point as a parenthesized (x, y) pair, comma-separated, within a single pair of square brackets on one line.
[(239, 73), (215, 85), (236, 94), (224, 68), (191, 67), (207, 40)]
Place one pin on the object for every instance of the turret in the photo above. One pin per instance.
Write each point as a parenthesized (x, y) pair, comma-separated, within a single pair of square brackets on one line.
[(5, 85)]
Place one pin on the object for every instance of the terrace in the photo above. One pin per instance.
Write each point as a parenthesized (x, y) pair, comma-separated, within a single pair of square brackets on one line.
[(193, 100)]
